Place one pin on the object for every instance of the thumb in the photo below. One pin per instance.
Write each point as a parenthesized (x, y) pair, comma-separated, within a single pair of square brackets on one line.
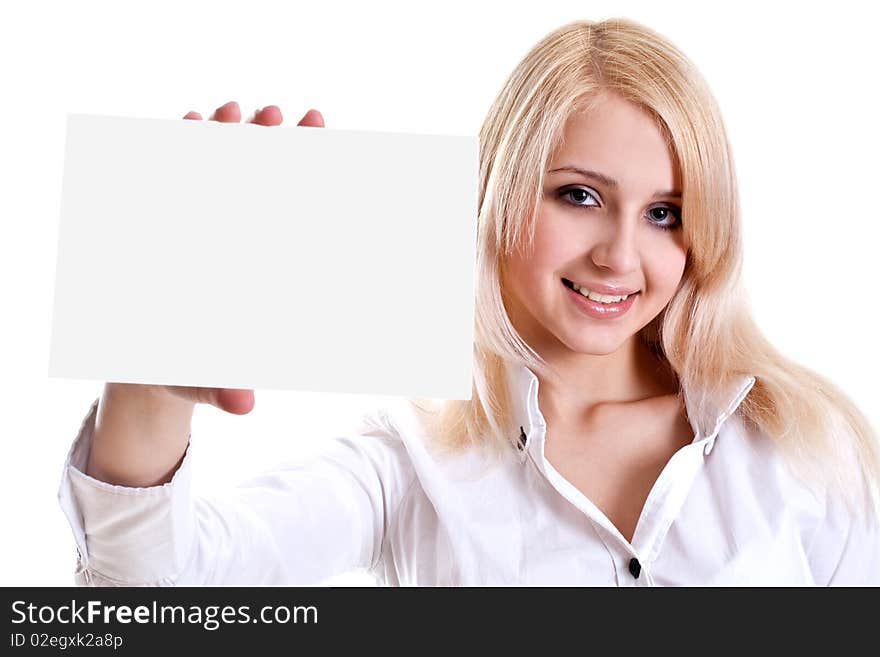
[(232, 400)]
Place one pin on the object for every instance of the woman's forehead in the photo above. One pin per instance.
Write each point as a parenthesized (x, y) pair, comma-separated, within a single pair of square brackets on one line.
[(620, 141)]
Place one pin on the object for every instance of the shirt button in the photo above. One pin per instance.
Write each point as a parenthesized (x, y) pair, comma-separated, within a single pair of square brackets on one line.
[(522, 439), (635, 567)]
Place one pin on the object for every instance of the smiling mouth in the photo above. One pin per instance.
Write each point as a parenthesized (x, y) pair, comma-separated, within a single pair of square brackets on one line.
[(570, 285)]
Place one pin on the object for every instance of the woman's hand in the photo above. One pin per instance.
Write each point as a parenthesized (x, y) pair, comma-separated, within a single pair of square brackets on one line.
[(230, 399), (269, 115), (141, 431)]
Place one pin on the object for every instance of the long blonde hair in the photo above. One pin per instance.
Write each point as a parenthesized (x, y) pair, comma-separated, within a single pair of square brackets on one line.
[(706, 334)]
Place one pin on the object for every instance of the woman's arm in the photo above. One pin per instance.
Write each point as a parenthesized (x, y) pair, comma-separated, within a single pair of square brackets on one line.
[(140, 435), (302, 522)]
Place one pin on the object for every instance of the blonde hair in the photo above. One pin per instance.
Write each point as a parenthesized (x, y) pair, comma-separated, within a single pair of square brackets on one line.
[(706, 333)]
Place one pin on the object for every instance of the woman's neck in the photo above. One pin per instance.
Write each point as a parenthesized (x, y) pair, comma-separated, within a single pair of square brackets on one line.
[(583, 382)]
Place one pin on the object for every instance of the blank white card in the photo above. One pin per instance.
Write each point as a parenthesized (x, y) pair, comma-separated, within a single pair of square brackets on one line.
[(246, 256)]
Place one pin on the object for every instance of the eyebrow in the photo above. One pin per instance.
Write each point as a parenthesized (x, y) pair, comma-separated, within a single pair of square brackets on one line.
[(610, 182)]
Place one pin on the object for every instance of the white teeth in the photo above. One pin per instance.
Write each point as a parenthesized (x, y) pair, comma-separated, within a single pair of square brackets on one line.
[(595, 296)]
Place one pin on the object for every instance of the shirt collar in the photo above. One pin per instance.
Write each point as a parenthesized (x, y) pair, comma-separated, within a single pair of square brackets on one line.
[(523, 386)]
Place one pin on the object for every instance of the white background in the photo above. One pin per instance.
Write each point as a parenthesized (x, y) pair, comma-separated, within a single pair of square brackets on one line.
[(795, 83)]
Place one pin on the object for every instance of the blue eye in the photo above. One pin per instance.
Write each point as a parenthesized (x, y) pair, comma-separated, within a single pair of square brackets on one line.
[(664, 217), (580, 190), (666, 212)]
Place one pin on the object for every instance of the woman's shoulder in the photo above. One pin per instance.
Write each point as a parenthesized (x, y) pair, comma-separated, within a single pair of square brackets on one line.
[(408, 422), (744, 451), (752, 468), (757, 469), (840, 534), (791, 468), (396, 423), (394, 419)]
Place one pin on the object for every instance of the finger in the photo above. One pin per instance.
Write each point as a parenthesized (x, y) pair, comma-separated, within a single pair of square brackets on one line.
[(269, 115), (313, 119), (193, 115), (228, 113)]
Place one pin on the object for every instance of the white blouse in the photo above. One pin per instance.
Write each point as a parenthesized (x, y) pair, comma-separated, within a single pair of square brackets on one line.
[(725, 510)]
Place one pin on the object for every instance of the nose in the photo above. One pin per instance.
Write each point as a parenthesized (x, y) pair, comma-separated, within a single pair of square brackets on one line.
[(617, 249)]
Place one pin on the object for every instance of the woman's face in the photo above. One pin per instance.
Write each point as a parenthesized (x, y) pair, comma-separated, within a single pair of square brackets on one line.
[(615, 223)]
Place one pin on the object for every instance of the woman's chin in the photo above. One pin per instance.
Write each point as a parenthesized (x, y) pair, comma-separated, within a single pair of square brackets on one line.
[(596, 346)]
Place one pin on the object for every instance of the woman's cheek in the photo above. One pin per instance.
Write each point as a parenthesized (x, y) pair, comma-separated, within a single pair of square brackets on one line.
[(673, 270)]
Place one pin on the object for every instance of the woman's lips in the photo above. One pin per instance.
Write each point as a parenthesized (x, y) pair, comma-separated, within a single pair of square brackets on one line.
[(610, 290), (598, 309)]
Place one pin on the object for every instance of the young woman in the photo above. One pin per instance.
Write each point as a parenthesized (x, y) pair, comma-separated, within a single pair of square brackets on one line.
[(629, 423)]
